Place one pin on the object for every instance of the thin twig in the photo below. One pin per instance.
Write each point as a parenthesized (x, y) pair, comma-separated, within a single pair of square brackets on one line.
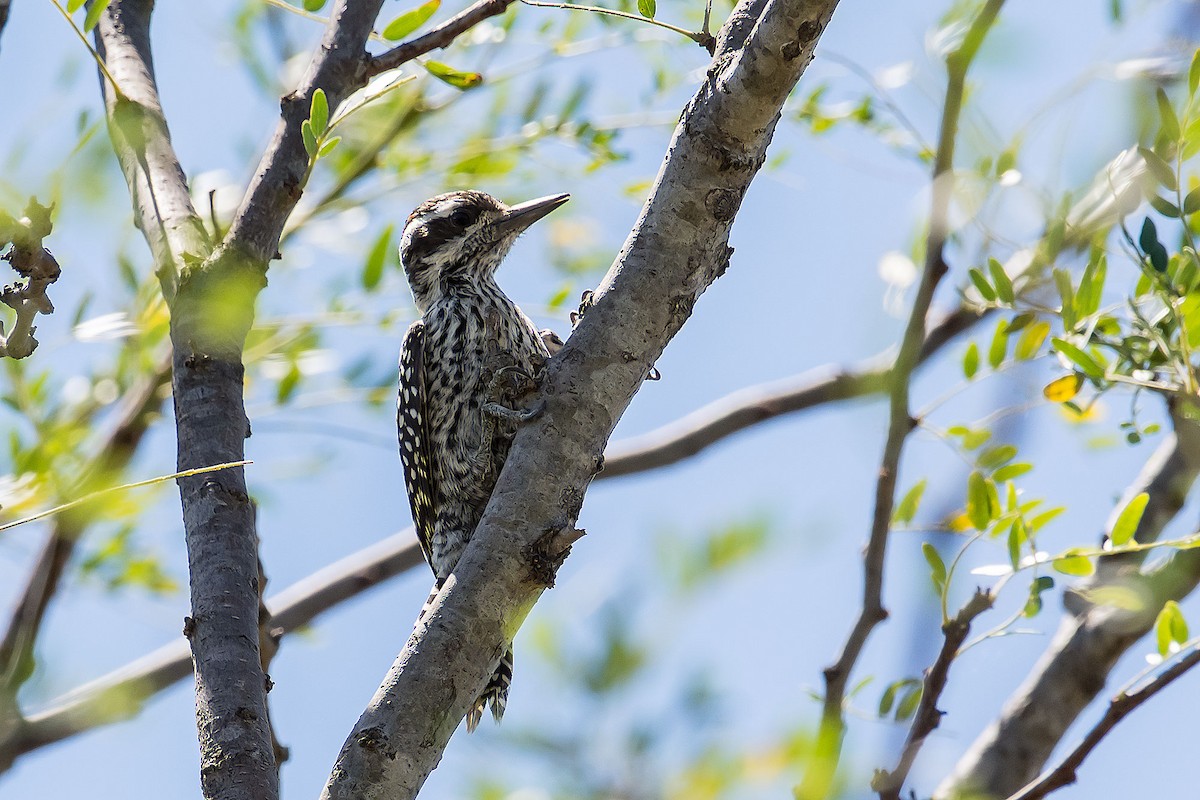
[(818, 780), (928, 717), (1118, 708), (437, 38), (702, 38)]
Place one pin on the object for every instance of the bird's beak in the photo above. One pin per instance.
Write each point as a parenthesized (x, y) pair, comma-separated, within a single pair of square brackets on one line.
[(519, 217)]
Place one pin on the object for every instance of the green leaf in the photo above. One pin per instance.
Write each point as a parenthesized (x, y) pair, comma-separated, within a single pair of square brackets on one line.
[(1159, 168), (1166, 113), (906, 509), (1079, 358), (560, 297), (1073, 562), (1170, 627), (93, 14), (1164, 206), (1031, 340), (328, 145), (1194, 73), (1033, 605), (288, 384), (999, 347), (459, 80), (908, 704), (1017, 536), (1191, 203), (1062, 279), (314, 5), (1010, 471), (937, 567), (979, 503), (996, 456), (1041, 520), (74, 5), (1091, 287), (1004, 287), (647, 8), (974, 439), (318, 113), (970, 362), (373, 270), (1127, 521), (409, 21), (310, 140), (981, 283)]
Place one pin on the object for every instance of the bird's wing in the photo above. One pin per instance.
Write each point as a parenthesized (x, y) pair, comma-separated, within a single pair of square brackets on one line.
[(413, 427)]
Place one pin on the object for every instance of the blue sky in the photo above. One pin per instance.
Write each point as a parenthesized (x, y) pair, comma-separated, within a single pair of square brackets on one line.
[(803, 291)]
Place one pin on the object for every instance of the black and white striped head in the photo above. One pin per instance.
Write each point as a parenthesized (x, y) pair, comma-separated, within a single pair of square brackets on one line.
[(463, 237)]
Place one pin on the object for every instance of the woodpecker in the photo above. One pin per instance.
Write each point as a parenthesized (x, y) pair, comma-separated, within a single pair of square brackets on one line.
[(464, 366)]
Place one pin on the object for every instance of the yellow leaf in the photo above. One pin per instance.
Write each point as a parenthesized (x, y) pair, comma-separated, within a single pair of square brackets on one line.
[(1063, 389)]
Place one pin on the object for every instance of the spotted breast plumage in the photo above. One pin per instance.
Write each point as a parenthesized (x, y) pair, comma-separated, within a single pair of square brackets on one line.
[(464, 368)]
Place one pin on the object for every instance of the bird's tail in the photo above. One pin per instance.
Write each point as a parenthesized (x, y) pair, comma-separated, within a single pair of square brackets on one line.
[(495, 694)]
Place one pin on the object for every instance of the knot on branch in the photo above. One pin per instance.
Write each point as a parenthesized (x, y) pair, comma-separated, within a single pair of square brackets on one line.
[(34, 263), (549, 552)]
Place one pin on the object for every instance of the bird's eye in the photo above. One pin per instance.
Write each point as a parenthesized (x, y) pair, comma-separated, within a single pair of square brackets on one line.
[(461, 217)]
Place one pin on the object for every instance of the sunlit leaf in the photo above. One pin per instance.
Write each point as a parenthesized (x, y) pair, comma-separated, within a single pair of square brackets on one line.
[(1062, 280), (328, 145), (937, 567), (310, 139), (647, 8), (457, 79), (318, 114), (1031, 340), (1004, 287), (93, 14), (996, 456), (1060, 390), (998, 349), (1091, 287), (906, 509), (1079, 358), (979, 502), (1170, 627), (1010, 471), (1128, 520), (1194, 73), (373, 269), (981, 283), (970, 363), (411, 20), (1073, 562)]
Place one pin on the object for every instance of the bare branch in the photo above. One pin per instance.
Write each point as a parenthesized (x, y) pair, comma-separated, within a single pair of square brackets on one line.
[(928, 717), (122, 693), (1013, 750), (744, 408), (673, 254), (818, 780), (1118, 708), (439, 37)]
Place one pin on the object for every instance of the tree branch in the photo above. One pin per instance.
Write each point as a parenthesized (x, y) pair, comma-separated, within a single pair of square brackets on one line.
[(1013, 750), (439, 37), (928, 717), (1118, 708), (818, 780), (121, 694), (678, 247), (747, 407)]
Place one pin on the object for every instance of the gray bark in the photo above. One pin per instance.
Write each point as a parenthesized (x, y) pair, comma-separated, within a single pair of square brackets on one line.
[(677, 248)]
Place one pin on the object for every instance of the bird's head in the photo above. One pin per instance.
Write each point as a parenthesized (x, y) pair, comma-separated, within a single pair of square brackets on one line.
[(463, 237)]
